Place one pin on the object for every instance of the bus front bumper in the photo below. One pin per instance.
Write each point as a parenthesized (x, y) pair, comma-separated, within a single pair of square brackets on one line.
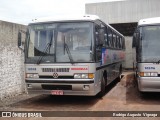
[(149, 84), (69, 87)]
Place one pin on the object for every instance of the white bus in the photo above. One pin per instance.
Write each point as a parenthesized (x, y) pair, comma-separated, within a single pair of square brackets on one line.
[(146, 40), (72, 56)]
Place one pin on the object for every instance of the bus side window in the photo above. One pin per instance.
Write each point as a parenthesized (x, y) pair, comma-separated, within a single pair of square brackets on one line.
[(114, 40), (118, 42), (109, 37), (99, 33), (112, 43), (123, 44), (106, 40), (106, 37)]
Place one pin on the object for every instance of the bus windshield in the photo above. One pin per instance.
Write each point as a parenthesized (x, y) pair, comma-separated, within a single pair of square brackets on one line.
[(59, 42), (150, 43)]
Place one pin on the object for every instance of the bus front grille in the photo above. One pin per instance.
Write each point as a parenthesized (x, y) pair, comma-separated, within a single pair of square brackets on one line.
[(59, 77), (55, 69), (57, 87)]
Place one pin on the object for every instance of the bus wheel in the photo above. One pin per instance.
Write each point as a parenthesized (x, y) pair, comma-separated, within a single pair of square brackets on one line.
[(120, 70), (120, 73), (103, 88)]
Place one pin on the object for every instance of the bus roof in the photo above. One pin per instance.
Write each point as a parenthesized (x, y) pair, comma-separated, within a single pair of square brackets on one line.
[(149, 21), (71, 18), (66, 18)]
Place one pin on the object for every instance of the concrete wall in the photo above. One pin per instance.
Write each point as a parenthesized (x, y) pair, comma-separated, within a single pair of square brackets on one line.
[(11, 61), (130, 53), (124, 11)]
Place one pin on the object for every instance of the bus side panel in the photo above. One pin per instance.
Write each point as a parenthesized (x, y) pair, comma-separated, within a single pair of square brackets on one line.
[(113, 61)]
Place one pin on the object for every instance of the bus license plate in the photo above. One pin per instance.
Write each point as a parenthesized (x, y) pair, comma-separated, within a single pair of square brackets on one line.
[(57, 92)]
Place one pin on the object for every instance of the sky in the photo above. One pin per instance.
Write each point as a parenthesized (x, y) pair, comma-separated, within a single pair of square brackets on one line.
[(24, 11)]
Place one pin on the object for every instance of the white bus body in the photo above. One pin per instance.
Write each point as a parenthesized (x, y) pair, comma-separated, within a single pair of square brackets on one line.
[(72, 56), (146, 39)]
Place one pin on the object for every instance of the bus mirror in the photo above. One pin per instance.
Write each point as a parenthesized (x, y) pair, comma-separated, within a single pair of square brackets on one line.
[(133, 42), (20, 45), (19, 39), (101, 37)]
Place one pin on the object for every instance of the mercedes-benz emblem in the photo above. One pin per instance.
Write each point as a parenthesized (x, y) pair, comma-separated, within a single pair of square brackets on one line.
[(55, 75)]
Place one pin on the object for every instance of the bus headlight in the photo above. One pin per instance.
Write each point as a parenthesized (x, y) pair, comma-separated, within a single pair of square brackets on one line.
[(84, 75), (29, 75), (77, 76), (148, 74), (154, 74)]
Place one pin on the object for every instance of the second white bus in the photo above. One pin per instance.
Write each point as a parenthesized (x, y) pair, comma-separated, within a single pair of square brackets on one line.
[(146, 40)]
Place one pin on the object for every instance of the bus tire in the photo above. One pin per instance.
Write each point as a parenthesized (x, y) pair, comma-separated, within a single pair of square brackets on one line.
[(120, 74), (103, 88), (120, 70)]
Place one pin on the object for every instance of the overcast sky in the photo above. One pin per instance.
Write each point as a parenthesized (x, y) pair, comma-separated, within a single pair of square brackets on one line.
[(23, 11)]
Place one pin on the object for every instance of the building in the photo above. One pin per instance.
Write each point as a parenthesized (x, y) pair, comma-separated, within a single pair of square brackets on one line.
[(124, 16)]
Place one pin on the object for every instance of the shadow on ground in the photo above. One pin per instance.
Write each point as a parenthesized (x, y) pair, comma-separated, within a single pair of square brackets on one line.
[(134, 96)]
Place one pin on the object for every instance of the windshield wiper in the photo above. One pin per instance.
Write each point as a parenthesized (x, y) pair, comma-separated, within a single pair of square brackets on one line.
[(47, 48), (68, 52)]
